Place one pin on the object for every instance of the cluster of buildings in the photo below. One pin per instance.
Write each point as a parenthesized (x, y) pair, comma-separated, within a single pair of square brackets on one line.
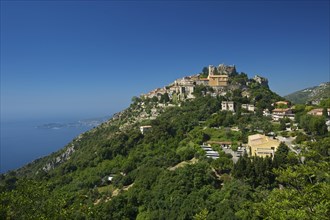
[(258, 145), (282, 110), (276, 114), (218, 79), (230, 106), (219, 76)]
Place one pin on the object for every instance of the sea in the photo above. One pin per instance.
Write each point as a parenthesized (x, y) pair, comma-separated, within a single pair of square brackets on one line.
[(26, 140)]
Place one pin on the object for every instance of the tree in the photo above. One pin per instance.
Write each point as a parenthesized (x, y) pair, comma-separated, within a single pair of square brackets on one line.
[(282, 124), (202, 215), (325, 112), (154, 99), (164, 98), (314, 124), (205, 72), (300, 138), (135, 99), (223, 164), (325, 103), (280, 157), (215, 72), (305, 193), (318, 126), (32, 200)]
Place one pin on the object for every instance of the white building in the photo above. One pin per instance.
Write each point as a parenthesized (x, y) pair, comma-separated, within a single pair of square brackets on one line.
[(280, 113), (227, 106), (145, 128), (248, 107)]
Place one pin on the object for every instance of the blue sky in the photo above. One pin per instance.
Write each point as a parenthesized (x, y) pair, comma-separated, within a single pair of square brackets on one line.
[(88, 58)]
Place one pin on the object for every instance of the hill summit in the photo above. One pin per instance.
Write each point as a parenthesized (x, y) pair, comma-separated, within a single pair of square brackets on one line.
[(221, 79)]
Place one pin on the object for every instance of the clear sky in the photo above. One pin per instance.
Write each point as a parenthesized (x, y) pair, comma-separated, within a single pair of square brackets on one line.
[(88, 58)]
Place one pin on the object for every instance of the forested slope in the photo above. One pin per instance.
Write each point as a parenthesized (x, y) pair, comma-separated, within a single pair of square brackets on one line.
[(147, 184)]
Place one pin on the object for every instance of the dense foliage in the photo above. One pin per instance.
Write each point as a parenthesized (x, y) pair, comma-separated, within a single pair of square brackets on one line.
[(164, 173)]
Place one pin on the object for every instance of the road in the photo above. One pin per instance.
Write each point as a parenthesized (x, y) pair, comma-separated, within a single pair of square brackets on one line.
[(288, 142)]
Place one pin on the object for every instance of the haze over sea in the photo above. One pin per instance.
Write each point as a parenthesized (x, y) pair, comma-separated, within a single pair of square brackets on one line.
[(23, 141)]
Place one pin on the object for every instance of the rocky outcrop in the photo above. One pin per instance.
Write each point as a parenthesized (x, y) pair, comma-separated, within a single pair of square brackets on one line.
[(59, 159), (228, 70), (261, 80)]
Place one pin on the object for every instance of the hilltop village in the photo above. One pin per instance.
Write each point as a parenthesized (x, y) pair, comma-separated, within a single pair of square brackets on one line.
[(213, 81), (238, 95), (220, 79)]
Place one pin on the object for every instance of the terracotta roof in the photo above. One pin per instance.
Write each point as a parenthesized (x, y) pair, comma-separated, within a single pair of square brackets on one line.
[(146, 126), (281, 109), (282, 102)]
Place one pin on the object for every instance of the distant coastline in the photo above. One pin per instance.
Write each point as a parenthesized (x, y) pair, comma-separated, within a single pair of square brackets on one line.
[(81, 123), (25, 141)]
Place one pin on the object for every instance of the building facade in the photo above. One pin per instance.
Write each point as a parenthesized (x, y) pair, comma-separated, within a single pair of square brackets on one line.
[(248, 107), (280, 113), (217, 80), (318, 112), (228, 106), (262, 146)]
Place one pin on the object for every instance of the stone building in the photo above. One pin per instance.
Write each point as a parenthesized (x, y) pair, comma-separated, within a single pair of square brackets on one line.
[(227, 70), (184, 86), (261, 80), (217, 80), (202, 81)]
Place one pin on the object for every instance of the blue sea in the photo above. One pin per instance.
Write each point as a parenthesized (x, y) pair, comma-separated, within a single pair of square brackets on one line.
[(24, 141)]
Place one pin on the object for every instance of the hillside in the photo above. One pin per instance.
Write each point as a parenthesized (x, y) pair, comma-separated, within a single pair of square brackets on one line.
[(150, 161), (313, 94)]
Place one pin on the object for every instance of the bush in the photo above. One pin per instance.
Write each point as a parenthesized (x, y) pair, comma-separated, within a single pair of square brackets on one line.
[(284, 134)]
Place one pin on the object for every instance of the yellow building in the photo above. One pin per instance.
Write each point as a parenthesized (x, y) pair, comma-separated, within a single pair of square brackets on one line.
[(262, 146), (218, 80)]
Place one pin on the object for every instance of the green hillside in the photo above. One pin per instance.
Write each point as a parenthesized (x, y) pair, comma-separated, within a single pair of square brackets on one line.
[(313, 94), (165, 174)]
